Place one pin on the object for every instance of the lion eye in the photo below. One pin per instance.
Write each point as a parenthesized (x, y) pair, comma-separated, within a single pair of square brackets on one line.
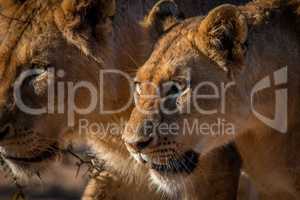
[(175, 94), (174, 90)]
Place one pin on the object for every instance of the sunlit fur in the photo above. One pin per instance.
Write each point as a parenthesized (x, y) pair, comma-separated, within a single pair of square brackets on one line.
[(265, 38), (56, 33)]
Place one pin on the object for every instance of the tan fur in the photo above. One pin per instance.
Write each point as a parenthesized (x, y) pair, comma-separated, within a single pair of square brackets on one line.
[(241, 44), (55, 33), (53, 28)]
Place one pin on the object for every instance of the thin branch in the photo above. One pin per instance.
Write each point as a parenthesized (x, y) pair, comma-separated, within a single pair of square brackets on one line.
[(94, 165)]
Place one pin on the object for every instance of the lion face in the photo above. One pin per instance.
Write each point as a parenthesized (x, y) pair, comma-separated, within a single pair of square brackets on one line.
[(176, 99), (163, 90), (46, 46), (200, 84)]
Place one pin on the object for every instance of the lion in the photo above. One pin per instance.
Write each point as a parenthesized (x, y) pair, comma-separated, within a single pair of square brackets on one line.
[(67, 41), (75, 39), (206, 88)]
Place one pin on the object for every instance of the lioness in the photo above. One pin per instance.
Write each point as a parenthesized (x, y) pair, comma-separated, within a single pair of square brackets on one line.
[(69, 41), (201, 88)]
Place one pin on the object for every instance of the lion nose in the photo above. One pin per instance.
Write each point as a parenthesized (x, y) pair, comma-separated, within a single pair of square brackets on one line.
[(140, 145)]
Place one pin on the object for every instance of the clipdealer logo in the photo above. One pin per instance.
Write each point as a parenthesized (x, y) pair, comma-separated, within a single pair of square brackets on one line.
[(280, 120)]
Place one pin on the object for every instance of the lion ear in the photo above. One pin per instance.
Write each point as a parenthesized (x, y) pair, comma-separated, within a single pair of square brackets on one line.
[(85, 22), (223, 34), (162, 16)]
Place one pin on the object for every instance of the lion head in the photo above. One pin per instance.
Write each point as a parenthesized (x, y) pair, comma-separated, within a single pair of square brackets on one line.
[(42, 43), (193, 93)]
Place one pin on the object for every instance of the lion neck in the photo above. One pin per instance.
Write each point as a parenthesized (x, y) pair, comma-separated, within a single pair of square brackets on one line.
[(268, 44)]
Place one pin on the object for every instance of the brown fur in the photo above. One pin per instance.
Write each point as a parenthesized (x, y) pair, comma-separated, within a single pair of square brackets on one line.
[(37, 33), (241, 44)]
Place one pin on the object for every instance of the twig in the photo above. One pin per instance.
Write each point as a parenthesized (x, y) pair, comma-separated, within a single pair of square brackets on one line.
[(94, 165)]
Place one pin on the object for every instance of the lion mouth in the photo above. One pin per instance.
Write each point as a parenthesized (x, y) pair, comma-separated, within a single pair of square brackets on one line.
[(47, 154), (186, 163)]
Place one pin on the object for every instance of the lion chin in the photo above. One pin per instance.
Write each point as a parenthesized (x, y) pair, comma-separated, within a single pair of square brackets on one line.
[(172, 175), (25, 166), (184, 163)]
